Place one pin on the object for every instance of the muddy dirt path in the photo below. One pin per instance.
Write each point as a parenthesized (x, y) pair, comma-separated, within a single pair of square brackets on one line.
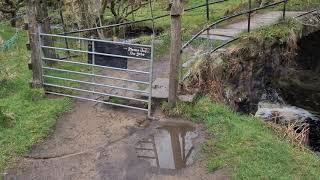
[(97, 141)]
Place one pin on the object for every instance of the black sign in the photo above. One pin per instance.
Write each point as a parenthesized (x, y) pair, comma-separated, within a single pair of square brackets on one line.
[(125, 50)]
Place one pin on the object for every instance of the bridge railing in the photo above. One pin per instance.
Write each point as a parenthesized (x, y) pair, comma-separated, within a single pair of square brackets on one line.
[(248, 12), (184, 73)]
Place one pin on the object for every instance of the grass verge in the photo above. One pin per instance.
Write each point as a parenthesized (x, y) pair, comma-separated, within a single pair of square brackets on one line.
[(246, 146), (26, 116)]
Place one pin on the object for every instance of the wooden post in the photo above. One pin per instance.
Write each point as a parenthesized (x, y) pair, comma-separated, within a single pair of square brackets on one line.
[(37, 80), (44, 21), (175, 51)]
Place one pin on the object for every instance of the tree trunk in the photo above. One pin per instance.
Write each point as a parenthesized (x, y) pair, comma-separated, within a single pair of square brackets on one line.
[(37, 79), (13, 21)]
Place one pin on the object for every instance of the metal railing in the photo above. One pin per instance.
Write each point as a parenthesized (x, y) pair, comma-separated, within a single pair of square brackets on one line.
[(307, 13), (206, 4), (109, 82), (222, 20)]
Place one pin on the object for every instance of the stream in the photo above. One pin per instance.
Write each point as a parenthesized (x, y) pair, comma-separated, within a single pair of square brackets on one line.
[(297, 96)]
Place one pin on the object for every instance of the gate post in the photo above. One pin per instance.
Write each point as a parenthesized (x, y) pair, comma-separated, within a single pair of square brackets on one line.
[(175, 51), (37, 79)]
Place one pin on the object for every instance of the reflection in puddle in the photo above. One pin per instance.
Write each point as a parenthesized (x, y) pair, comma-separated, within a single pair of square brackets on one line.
[(171, 147)]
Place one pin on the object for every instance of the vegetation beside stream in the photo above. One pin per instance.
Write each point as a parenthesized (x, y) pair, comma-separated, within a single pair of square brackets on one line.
[(245, 146)]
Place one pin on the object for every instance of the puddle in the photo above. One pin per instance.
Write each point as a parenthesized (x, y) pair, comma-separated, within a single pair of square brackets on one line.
[(171, 147)]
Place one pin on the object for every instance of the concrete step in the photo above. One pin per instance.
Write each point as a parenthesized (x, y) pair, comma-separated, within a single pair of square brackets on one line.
[(160, 88), (216, 37)]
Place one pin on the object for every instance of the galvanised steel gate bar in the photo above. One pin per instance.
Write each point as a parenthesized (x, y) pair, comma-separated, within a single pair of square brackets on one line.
[(134, 52)]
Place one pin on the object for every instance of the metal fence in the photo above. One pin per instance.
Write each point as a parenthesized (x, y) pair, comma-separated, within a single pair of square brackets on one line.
[(247, 12), (207, 5), (185, 69), (75, 71)]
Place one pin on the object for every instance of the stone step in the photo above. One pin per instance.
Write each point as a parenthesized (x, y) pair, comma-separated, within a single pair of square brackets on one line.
[(160, 90), (225, 32), (216, 37)]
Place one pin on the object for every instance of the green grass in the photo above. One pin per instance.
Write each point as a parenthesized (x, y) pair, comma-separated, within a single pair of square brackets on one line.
[(245, 146), (282, 31), (302, 5), (31, 115)]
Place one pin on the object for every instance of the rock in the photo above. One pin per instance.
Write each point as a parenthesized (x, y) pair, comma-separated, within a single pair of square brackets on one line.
[(284, 113), (158, 41), (160, 88)]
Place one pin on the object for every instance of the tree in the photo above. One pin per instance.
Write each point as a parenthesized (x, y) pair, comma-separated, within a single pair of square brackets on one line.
[(264, 2), (121, 9), (81, 13), (11, 7)]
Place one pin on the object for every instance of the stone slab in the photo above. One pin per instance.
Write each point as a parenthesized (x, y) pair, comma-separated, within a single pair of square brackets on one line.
[(215, 37), (225, 32), (187, 97), (160, 88)]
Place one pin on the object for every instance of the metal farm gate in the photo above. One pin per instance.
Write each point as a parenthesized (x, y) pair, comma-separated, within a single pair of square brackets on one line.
[(109, 72)]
